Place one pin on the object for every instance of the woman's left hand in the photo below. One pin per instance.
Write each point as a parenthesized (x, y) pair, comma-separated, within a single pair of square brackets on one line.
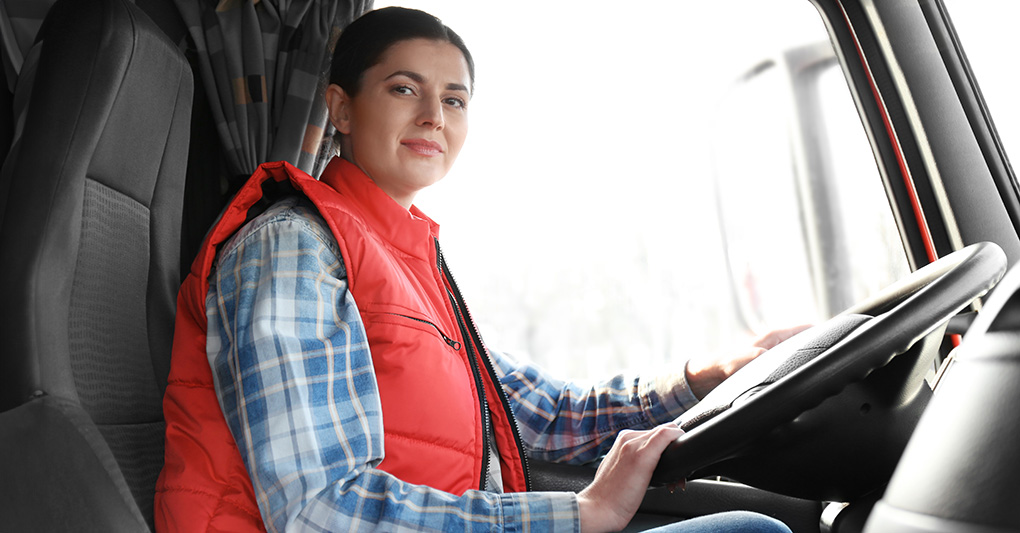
[(705, 374)]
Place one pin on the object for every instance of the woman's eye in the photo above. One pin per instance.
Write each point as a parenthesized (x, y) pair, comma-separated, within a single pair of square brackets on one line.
[(403, 89), (454, 102)]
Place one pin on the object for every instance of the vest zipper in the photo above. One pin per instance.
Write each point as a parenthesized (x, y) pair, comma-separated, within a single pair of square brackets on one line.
[(451, 342), (483, 401), (475, 338)]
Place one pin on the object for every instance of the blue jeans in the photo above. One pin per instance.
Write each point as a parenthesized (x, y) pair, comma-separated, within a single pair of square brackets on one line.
[(732, 521)]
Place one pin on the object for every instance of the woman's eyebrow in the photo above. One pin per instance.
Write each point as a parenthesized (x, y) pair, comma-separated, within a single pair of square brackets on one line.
[(408, 74), (414, 76)]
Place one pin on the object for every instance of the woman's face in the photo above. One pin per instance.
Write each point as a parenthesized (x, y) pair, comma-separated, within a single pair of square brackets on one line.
[(408, 121)]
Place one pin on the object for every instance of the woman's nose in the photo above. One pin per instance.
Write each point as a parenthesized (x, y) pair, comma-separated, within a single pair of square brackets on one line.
[(431, 115)]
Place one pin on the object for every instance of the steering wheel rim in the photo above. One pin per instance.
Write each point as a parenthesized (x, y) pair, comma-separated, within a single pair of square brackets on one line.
[(905, 312)]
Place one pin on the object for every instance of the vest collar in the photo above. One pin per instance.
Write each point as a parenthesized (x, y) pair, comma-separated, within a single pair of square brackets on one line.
[(408, 230)]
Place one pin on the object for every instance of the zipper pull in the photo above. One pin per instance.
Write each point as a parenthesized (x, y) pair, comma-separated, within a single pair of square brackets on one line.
[(453, 344)]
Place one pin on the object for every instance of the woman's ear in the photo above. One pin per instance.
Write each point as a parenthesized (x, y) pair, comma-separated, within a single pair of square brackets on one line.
[(338, 102)]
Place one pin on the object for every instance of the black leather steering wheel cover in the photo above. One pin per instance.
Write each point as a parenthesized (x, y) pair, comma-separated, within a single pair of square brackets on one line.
[(770, 367), (905, 312)]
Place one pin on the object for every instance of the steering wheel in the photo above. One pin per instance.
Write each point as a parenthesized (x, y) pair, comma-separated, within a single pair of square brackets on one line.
[(826, 414)]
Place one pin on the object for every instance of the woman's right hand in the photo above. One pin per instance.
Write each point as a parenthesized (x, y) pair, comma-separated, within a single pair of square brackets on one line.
[(620, 483)]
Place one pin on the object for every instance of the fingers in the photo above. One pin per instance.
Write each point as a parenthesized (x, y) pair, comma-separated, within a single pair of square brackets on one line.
[(659, 440), (773, 338), (623, 477), (655, 440), (636, 453)]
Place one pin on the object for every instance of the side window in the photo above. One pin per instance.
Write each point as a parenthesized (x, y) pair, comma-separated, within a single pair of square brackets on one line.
[(825, 238), (643, 185)]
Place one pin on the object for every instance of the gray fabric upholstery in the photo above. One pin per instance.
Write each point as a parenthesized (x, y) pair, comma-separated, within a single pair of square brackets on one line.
[(89, 241), (108, 302)]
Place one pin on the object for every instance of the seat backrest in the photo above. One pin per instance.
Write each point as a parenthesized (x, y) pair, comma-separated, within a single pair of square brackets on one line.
[(90, 231)]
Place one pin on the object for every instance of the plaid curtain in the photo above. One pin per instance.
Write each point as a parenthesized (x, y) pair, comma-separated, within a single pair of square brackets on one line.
[(264, 65)]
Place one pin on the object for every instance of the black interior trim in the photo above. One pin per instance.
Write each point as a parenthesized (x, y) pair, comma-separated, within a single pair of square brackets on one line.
[(948, 132), (969, 95), (871, 114)]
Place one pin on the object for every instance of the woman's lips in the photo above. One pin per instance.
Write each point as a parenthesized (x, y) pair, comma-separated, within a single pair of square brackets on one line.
[(423, 147)]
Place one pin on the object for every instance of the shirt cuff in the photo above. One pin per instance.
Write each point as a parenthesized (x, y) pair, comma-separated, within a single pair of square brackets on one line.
[(666, 397), (540, 511)]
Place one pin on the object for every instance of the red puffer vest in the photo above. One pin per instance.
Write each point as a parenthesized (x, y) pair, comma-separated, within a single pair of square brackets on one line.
[(427, 371)]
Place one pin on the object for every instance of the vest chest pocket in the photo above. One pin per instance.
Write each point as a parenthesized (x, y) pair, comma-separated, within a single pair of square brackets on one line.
[(425, 383), (453, 343), (407, 332)]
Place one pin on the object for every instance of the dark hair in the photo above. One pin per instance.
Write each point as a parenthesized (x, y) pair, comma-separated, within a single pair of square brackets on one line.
[(366, 39)]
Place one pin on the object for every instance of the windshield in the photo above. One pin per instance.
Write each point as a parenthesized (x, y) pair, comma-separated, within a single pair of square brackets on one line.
[(581, 218)]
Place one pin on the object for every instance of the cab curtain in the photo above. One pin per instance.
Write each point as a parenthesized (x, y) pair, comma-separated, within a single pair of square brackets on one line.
[(264, 65)]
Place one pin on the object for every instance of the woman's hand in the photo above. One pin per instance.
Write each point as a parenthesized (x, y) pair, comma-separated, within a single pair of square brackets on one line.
[(703, 375), (614, 496)]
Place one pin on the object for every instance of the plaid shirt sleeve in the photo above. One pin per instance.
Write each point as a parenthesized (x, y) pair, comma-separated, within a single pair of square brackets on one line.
[(577, 423), (295, 381)]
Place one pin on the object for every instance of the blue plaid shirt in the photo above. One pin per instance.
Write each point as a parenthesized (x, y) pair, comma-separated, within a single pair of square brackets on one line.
[(294, 377)]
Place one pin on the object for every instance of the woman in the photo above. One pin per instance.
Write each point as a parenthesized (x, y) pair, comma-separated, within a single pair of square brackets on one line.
[(324, 339)]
